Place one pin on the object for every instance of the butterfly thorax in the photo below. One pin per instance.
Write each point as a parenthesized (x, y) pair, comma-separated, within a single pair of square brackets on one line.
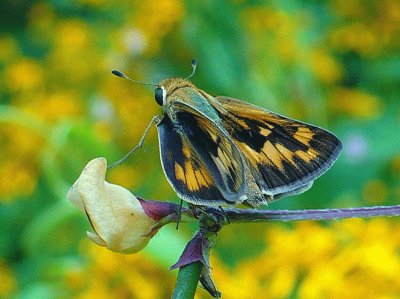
[(172, 85), (181, 92)]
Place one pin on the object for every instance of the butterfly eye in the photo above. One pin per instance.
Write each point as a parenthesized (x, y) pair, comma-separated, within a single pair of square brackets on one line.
[(159, 95)]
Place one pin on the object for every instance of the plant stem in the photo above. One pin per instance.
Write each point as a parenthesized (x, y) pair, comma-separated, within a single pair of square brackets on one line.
[(187, 280), (189, 274), (251, 215)]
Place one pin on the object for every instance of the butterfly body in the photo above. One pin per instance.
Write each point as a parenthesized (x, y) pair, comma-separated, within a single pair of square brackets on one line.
[(223, 151)]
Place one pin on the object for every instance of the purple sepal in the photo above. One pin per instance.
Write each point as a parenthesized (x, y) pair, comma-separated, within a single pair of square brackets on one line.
[(193, 252), (157, 210)]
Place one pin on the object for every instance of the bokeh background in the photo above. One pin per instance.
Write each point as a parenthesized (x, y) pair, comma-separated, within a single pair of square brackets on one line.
[(332, 63)]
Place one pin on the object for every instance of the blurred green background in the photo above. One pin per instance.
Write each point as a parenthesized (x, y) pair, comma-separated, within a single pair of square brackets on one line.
[(333, 63)]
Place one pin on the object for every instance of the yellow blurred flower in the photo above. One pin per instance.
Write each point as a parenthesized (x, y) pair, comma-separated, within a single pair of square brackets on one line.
[(356, 103), (72, 35), (51, 108), (233, 284), (20, 142), (324, 66), (392, 7), (281, 282), (25, 74), (103, 131), (114, 275), (156, 25), (19, 178), (286, 47), (18, 168), (261, 18), (323, 281), (8, 48), (94, 3), (367, 28), (395, 165), (375, 192), (298, 241), (8, 283), (128, 177), (324, 261), (75, 59), (357, 37), (349, 8), (380, 258), (134, 107), (276, 21), (42, 16), (281, 29), (76, 278)]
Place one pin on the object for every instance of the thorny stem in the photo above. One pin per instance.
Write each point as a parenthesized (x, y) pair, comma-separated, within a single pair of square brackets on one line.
[(239, 215), (189, 275)]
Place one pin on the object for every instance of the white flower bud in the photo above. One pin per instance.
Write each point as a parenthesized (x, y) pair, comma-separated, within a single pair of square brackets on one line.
[(116, 215)]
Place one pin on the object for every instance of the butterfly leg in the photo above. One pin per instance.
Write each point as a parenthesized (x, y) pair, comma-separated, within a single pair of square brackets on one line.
[(179, 215), (225, 215), (155, 119)]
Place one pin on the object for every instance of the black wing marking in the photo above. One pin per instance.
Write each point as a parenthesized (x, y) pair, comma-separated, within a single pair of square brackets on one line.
[(189, 176), (284, 155)]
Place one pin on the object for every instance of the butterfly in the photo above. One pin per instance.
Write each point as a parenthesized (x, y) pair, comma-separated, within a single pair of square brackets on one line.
[(218, 150)]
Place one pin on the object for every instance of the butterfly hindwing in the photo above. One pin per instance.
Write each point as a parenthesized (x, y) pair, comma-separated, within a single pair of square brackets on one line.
[(195, 175), (284, 155)]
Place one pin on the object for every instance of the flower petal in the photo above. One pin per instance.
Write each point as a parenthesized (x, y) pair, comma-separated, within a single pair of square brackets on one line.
[(117, 217)]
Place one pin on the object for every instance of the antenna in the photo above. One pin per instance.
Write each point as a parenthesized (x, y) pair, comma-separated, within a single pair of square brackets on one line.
[(120, 74), (194, 67)]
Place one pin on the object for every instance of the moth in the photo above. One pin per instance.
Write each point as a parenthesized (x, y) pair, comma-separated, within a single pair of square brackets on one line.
[(218, 150)]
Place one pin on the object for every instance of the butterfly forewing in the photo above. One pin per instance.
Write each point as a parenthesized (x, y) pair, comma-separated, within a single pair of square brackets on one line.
[(283, 155), (196, 159), (186, 173), (213, 146)]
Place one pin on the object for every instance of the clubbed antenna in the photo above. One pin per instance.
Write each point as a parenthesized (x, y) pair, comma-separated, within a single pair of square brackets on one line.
[(120, 74), (194, 67)]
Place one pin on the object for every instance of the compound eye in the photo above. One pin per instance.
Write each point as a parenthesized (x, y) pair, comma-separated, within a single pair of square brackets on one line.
[(159, 95)]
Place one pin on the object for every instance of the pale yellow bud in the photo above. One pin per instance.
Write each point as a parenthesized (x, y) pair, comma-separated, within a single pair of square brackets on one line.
[(115, 214)]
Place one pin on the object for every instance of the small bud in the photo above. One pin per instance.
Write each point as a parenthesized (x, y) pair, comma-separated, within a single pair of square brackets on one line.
[(194, 251), (116, 215)]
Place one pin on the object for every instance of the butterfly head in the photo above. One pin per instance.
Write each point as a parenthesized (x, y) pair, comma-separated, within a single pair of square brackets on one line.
[(168, 87)]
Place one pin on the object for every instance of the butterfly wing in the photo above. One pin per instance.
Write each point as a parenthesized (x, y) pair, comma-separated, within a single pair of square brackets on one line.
[(196, 160), (284, 156)]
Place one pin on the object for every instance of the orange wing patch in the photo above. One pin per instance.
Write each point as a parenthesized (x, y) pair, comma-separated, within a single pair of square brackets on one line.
[(272, 155), (307, 156), (193, 178), (304, 135), (265, 132), (192, 174)]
